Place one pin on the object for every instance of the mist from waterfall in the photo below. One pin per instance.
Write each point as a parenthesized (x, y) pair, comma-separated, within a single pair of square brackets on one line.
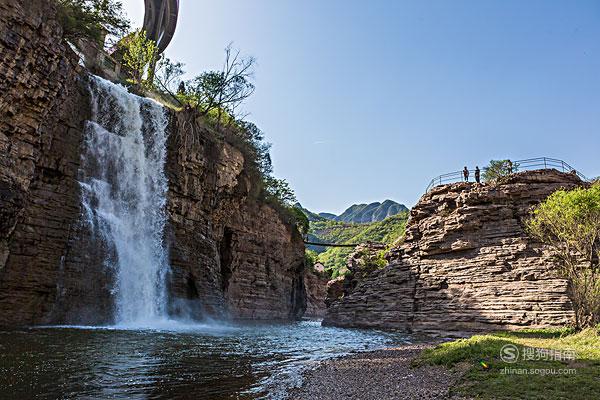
[(124, 191)]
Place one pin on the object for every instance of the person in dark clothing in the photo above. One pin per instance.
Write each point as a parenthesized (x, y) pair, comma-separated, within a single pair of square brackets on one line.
[(477, 175), (466, 174), (181, 88)]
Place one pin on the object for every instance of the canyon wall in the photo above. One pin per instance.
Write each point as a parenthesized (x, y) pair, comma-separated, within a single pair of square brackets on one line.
[(42, 110), (228, 250), (315, 285), (231, 255), (466, 264)]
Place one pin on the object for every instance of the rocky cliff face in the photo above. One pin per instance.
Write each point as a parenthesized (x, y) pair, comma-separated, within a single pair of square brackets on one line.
[(230, 255), (227, 250), (466, 264), (41, 120), (315, 285)]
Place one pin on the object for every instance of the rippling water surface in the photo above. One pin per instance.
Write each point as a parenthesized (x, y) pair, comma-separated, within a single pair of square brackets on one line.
[(209, 361)]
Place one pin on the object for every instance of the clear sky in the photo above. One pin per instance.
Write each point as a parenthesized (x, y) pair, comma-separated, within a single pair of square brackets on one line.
[(368, 100)]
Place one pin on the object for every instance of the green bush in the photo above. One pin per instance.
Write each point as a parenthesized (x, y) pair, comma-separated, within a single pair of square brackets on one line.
[(310, 258), (569, 222), (139, 53)]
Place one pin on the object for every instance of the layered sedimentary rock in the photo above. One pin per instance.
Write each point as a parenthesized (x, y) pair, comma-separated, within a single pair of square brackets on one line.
[(230, 254), (466, 264), (315, 285), (227, 250), (41, 120)]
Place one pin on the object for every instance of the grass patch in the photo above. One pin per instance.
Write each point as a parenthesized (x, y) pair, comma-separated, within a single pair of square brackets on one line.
[(489, 377)]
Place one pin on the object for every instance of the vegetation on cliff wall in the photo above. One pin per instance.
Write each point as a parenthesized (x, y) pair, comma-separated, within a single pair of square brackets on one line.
[(218, 97), (569, 222)]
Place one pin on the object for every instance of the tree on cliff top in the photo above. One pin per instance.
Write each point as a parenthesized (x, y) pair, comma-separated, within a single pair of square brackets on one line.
[(91, 19), (220, 93), (498, 169), (569, 222), (138, 54)]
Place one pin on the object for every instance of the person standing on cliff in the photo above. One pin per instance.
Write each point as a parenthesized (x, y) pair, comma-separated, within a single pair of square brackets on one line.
[(466, 174), (477, 174)]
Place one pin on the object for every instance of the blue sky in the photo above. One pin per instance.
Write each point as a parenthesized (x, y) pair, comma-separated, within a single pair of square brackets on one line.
[(365, 101)]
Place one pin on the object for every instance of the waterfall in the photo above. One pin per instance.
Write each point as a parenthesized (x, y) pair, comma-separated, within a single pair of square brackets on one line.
[(124, 195)]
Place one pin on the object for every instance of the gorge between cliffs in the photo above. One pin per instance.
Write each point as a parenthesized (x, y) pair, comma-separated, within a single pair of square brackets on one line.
[(143, 254)]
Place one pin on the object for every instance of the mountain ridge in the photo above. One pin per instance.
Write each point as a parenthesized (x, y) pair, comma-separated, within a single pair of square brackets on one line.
[(359, 213)]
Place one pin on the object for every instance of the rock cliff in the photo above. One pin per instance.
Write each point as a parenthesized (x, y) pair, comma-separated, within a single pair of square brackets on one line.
[(227, 250), (315, 285), (41, 120), (466, 264), (231, 254)]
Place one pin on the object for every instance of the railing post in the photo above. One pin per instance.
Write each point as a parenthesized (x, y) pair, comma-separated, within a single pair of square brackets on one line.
[(545, 166)]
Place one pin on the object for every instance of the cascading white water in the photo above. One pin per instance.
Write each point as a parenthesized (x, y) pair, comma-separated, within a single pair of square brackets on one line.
[(124, 195)]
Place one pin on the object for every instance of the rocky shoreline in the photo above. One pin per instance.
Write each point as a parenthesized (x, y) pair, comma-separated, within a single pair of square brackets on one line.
[(380, 374)]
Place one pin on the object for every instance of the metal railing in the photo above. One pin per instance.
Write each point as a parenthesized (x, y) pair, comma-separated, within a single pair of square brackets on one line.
[(519, 165)]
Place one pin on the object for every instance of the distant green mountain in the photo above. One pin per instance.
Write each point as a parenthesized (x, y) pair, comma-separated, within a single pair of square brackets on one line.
[(375, 222), (309, 214), (330, 216), (363, 213), (359, 213)]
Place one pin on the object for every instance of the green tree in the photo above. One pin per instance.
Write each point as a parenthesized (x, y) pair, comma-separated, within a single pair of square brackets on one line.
[(138, 53), (168, 77), (91, 19), (279, 190), (310, 258), (569, 222), (221, 93), (498, 169), (257, 149), (300, 219)]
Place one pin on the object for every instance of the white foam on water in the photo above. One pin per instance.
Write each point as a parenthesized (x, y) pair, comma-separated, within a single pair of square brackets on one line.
[(166, 325)]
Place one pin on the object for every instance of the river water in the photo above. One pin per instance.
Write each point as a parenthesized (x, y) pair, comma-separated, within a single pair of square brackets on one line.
[(200, 361)]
